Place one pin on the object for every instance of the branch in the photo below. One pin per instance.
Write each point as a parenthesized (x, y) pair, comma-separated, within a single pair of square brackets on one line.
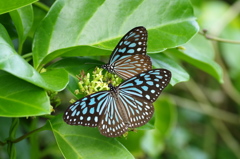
[(207, 36)]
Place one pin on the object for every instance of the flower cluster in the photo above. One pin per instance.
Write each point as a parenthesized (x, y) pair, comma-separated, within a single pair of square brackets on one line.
[(98, 81)]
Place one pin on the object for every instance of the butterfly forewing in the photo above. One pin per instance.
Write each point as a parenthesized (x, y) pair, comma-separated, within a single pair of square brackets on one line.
[(88, 110), (133, 43), (129, 56)]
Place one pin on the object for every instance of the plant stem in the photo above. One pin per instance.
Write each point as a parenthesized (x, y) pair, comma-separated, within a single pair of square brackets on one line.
[(20, 46), (42, 6), (27, 55), (204, 33), (28, 134)]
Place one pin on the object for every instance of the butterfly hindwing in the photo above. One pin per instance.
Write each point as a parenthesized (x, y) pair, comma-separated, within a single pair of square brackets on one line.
[(138, 111), (112, 122), (139, 92), (88, 110), (146, 85)]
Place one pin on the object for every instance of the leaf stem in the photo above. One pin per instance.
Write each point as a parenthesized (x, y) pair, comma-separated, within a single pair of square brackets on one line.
[(28, 134), (25, 56), (20, 46), (42, 6), (204, 33)]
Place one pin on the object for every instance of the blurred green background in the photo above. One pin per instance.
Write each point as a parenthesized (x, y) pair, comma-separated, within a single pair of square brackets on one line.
[(197, 119)]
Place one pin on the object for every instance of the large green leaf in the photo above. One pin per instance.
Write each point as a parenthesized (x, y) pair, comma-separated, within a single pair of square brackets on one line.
[(19, 98), (86, 142), (13, 63), (7, 6), (23, 20), (200, 54), (99, 23)]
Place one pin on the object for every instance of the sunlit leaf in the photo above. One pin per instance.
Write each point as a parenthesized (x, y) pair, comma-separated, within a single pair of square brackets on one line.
[(19, 98), (85, 142), (168, 28), (200, 54), (13, 63), (23, 20), (7, 6)]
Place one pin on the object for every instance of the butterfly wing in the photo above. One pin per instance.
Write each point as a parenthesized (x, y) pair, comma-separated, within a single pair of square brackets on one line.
[(129, 56), (98, 109), (112, 123), (128, 105), (88, 110), (132, 65), (139, 92), (133, 43), (138, 111)]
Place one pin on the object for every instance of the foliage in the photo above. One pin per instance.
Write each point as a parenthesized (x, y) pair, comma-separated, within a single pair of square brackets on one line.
[(43, 47)]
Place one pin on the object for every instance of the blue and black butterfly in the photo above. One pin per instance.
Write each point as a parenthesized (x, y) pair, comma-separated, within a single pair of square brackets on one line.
[(128, 105), (129, 56)]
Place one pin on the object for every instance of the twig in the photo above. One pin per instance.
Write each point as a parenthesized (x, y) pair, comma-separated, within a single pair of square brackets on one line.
[(204, 33)]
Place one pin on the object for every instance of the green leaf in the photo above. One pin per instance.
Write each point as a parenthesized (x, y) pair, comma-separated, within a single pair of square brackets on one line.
[(147, 126), (85, 142), (160, 60), (23, 20), (133, 143), (200, 54), (76, 51), (21, 99), (73, 65), (7, 6), (167, 27), (55, 79), (13, 63)]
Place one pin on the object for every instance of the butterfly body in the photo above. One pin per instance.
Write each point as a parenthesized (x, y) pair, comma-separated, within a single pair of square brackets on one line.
[(128, 105), (129, 56)]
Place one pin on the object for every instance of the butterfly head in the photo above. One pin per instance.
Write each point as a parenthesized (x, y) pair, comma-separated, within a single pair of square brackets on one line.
[(108, 67), (104, 66)]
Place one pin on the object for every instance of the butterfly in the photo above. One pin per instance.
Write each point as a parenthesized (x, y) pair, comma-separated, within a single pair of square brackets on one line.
[(129, 56), (128, 105)]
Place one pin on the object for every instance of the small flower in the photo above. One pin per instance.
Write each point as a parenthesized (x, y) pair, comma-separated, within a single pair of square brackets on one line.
[(98, 82)]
